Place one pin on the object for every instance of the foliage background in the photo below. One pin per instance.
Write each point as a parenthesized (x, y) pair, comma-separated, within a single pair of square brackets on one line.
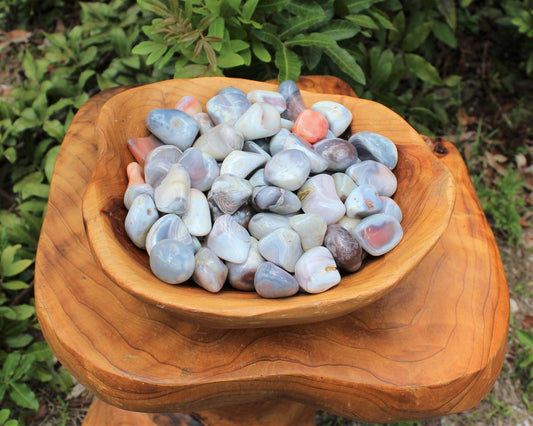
[(460, 69)]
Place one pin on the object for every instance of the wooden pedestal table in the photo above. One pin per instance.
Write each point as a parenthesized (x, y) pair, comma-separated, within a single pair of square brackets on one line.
[(432, 346)]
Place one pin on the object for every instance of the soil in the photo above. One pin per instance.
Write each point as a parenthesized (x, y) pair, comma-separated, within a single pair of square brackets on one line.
[(505, 127)]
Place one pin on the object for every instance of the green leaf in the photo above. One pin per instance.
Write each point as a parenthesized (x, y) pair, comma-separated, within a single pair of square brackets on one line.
[(158, 51), (312, 57), (31, 186), (380, 66), (525, 338), (3, 389), (62, 381), (4, 414), (49, 162), (15, 267), (339, 29), (26, 121), (269, 38), (55, 129), (444, 34), (15, 285), (24, 311), (8, 256), (41, 373), (416, 36), (40, 350), (260, 52), (132, 62), (248, 8), (88, 55), (29, 66), (229, 60), (302, 22), (447, 8), (191, 71), (453, 80), (10, 154), (382, 19), (319, 40), (399, 23), (288, 64), (270, 6), (24, 366), (422, 69), (356, 6), (238, 45), (217, 29), (23, 396), (119, 41), (10, 365), (58, 106), (346, 63), (144, 47), (156, 7), (18, 341), (364, 21)]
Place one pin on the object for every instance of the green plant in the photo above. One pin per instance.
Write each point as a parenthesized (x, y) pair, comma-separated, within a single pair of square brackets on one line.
[(503, 203), (58, 80), (382, 48), (521, 14), (27, 12), (524, 362), (5, 413), (499, 408)]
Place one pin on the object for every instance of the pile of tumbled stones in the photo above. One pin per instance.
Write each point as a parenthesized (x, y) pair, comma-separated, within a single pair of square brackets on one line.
[(260, 192)]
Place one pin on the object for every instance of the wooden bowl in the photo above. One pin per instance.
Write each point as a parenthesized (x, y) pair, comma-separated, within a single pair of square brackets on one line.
[(426, 195)]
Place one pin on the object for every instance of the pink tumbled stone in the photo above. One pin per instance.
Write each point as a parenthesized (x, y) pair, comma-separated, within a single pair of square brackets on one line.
[(311, 125)]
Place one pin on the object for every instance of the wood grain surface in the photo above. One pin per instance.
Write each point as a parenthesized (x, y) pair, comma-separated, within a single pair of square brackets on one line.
[(425, 194), (432, 346)]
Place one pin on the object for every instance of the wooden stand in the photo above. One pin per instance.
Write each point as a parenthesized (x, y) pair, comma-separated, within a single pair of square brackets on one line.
[(432, 346)]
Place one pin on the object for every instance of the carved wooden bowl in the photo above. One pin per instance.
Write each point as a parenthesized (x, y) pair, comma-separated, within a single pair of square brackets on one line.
[(426, 195)]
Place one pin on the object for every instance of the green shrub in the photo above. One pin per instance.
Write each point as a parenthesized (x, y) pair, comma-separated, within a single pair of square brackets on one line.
[(382, 48), (20, 14), (503, 203), (59, 78)]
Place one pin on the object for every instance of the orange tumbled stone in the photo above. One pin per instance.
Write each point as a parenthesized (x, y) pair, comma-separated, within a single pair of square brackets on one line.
[(142, 146), (189, 105), (135, 173), (311, 125)]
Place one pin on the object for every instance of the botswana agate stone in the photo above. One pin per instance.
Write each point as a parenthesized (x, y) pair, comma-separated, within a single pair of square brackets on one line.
[(158, 163), (378, 233), (373, 146), (374, 173), (338, 116), (140, 218), (282, 247), (227, 107), (172, 262), (339, 153), (316, 271), (273, 282), (344, 248), (288, 169), (169, 227), (173, 127)]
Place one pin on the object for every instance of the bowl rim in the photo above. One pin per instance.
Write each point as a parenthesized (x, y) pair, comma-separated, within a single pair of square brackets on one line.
[(232, 308)]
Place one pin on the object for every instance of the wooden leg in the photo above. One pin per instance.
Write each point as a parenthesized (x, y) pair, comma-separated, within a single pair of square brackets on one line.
[(269, 413)]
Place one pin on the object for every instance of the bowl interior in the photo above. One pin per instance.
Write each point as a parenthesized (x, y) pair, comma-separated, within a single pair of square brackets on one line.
[(426, 194)]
